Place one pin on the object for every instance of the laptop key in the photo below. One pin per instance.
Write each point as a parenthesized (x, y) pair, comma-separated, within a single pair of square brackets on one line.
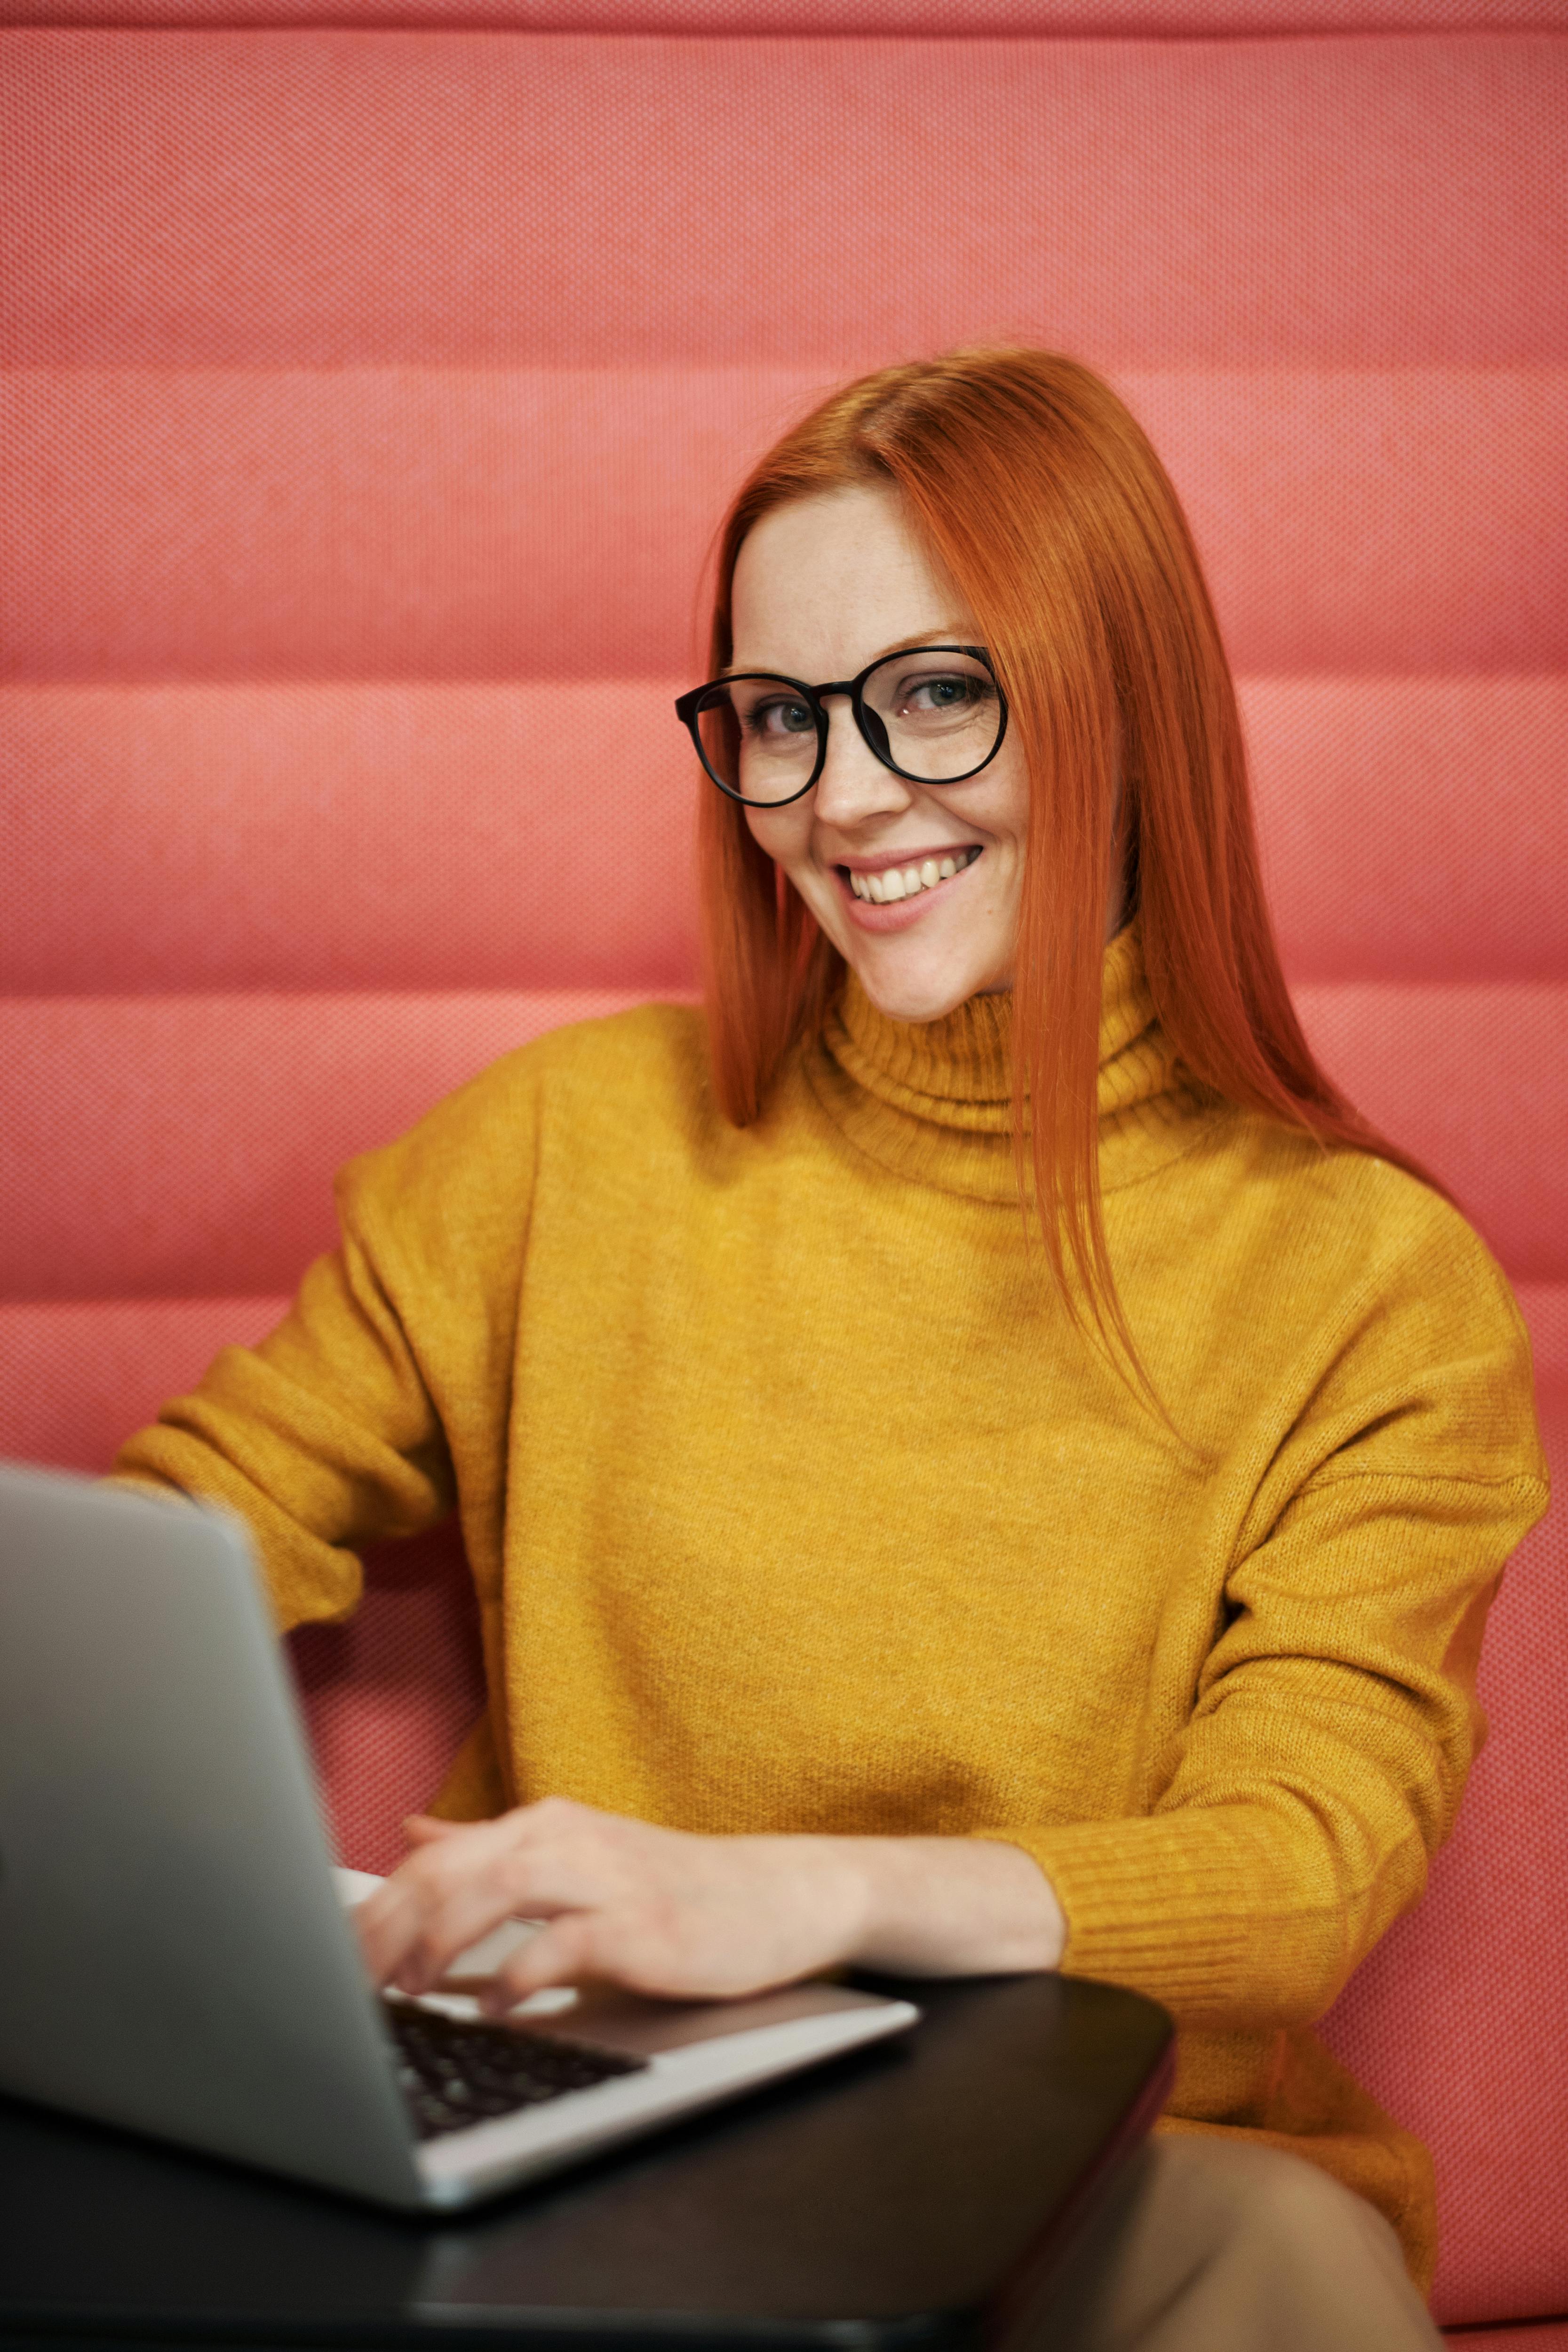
[(453, 2074)]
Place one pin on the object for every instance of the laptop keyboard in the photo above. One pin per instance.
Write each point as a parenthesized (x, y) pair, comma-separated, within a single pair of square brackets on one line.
[(452, 2073)]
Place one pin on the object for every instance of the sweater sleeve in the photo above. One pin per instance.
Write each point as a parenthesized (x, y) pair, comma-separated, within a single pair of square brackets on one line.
[(1335, 1716), (322, 1439), (336, 1430)]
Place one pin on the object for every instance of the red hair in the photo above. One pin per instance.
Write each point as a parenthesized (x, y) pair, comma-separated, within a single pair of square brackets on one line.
[(1038, 495)]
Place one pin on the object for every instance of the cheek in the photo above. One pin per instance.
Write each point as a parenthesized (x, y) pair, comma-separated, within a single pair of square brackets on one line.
[(1010, 796), (783, 834)]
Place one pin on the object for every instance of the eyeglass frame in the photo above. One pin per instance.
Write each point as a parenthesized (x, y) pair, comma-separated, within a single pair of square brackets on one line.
[(687, 711)]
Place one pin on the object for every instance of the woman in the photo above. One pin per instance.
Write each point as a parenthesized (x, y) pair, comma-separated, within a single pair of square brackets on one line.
[(977, 1459)]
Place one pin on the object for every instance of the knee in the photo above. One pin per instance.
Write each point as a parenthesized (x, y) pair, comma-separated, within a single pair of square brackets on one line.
[(1284, 2208)]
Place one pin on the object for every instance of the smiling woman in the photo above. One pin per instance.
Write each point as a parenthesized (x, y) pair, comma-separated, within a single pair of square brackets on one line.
[(972, 1456)]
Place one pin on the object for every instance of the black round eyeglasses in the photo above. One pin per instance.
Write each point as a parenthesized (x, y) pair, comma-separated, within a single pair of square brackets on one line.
[(934, 715)]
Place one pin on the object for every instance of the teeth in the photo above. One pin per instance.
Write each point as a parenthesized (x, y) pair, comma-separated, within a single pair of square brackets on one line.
[(906, 882)]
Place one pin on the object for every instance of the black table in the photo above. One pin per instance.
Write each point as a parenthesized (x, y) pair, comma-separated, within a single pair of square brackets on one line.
[(895, 2201)]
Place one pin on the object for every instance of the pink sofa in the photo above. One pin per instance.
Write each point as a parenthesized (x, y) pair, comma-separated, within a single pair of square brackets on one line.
[(369, 397)]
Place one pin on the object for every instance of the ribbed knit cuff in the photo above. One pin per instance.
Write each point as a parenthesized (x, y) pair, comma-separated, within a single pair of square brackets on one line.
[(1207, 1911)]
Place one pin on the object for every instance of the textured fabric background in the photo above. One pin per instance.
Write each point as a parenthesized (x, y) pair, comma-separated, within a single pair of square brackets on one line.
[(372, 380), (1117, 19)]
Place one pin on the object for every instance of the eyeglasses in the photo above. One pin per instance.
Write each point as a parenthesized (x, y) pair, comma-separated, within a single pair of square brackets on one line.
[(934, 715)]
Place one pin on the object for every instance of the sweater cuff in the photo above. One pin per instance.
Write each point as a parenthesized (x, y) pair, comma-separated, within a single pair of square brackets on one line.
[(1195, 1909)]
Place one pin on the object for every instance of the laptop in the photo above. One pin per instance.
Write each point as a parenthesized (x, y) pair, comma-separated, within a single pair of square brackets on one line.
[(175, 1951)]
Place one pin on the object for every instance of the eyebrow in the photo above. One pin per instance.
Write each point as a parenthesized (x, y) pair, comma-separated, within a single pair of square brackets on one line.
[(946, 633)]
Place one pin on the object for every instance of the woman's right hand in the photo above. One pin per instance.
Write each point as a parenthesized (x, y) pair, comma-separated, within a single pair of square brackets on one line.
[(683, 1915)]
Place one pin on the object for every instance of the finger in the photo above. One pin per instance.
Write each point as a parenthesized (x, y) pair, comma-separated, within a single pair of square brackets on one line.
[(464, 1919), (424, 1829), (533, 1863), (387, 1925), (444, 1897), (561, 1954)]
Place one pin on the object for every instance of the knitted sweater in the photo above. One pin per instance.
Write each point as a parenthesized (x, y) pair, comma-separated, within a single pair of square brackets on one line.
[(795, 1501)]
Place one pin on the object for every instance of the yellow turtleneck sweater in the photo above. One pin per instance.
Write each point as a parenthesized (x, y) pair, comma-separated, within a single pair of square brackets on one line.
[(794, 1503)]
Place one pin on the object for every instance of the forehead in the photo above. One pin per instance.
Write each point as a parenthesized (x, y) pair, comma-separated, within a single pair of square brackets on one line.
[(823, 583)]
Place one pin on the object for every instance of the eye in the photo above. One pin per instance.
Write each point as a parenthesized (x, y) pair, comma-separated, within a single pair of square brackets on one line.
[(778, 718), (946, 694)]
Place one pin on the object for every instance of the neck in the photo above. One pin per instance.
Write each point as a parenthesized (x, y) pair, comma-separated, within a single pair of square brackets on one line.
[(934, 1098)]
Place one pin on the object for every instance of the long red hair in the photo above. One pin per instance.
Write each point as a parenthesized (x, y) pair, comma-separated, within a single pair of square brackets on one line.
[(1039, 496)]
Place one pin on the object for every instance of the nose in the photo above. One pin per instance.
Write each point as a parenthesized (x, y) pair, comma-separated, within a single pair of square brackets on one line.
[(854, 785)]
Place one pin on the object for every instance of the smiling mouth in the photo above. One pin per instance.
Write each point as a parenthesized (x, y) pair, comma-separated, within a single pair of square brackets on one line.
[(896, 882)]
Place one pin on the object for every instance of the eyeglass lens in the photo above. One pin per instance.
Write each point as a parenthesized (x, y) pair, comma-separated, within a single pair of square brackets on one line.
[(934, 715)]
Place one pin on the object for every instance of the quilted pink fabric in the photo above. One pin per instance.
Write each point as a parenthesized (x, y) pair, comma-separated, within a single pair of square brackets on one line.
[(367, 399)]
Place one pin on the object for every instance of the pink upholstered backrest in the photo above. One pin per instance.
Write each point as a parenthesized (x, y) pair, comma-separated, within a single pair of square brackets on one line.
[(368, 398)]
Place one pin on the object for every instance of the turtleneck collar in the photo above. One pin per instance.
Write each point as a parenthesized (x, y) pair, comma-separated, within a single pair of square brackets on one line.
[(934, 1099)]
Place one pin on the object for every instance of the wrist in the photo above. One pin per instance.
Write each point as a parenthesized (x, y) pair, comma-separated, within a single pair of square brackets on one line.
[(951, 1906), (847, 1877)]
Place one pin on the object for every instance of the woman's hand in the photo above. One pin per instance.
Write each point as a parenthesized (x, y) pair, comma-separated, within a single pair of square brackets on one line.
[(664, 1912)]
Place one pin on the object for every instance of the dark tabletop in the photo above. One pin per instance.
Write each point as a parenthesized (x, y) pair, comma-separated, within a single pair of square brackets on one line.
[(892, 2199)]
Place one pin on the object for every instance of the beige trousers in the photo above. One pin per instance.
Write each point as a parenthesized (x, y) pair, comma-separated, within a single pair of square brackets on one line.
[(1208, 2247)]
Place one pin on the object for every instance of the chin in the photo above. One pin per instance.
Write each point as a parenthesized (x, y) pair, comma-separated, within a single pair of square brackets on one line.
[(919, 996)]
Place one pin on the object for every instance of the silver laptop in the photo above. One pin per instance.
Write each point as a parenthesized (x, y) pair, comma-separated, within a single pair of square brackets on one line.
[(175, 1953)]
